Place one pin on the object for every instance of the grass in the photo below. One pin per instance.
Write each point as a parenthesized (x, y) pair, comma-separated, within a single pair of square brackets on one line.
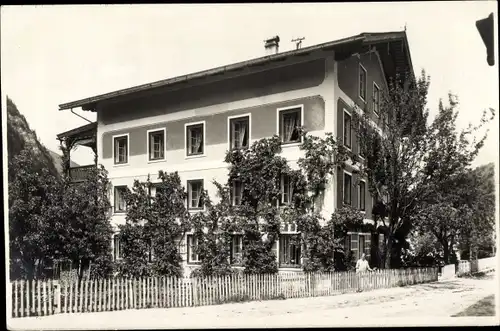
[(484, 307)]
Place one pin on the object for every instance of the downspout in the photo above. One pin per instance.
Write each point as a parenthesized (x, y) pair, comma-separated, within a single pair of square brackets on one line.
[(79, 115)]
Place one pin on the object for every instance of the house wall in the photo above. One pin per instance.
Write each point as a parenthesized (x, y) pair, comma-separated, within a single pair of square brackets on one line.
[(263, 124), (348, 80), (347, 97), (324, 87), (311, 84)]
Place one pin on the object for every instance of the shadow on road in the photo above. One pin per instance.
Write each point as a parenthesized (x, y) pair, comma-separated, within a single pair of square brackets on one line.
[(484, 307)]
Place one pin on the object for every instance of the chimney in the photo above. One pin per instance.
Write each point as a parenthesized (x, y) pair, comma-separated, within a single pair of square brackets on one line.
[(272, 45)]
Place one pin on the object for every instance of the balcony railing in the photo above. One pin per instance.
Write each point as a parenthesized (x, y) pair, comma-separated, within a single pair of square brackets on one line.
[(80, 174)]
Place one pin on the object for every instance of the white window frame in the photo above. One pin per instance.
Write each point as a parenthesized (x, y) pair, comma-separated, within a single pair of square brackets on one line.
[(234, 117), (359, 196), (343, 128), (343, 187), (115, 211), (188, 251), (376, 87), (114, 151), (282, 193), (361, 67), (233, 195), (360, 234), (151, 251), (188, 206), (278, 250), (148, 132), (186, 142), (278, 114), (233, 235), (120, 254)]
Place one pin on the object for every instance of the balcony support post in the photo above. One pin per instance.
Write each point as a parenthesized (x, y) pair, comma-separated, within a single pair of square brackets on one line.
[(94, 149), (66, 145)]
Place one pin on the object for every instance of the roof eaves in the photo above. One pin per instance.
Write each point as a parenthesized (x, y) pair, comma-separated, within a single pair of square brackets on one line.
[(80, 129), (218, 70)]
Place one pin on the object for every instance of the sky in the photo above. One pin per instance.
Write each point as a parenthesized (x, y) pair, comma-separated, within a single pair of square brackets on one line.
[(57, 54)]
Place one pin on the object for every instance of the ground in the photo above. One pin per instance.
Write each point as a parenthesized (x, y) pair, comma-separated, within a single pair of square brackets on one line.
[(484, 307), (425, 304)]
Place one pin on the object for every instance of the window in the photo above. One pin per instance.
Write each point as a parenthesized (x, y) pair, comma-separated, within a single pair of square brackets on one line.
[(362, 82), (381, 242), (151, 252), (362, 195), (347, 188), (155, 189), (195, 189), (236, 193), (239, 132), (195, 141), (120, 149), (376, 99), (354, 238), (286, 190), (158, 189), (192, 246), (289, 250), (156, 142), (358, 243), (347, 130), (120, 203), (117, 247), (290, 120), (237, 249)]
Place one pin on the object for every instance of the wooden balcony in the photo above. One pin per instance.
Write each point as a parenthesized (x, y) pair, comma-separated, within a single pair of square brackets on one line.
[(80, 174)]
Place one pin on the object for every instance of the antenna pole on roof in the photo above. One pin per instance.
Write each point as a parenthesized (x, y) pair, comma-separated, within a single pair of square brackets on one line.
[(298, 42)]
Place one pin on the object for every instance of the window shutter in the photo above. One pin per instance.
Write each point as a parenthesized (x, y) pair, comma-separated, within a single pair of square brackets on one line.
[(340, 187), (354, 245), (274, 249), (381, 243), (354, 191), (340, 122), (368, 244)]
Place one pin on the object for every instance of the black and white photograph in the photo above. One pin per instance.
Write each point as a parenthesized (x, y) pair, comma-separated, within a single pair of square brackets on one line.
[(250, 165)]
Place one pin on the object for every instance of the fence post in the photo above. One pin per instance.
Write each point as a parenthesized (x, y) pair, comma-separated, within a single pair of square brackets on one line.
[(57, 297)]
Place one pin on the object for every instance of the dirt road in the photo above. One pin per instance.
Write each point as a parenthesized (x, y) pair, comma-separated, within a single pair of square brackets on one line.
[(426, 304)]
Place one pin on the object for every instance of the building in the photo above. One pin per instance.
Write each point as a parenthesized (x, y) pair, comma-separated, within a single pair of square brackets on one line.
[(187, 123)]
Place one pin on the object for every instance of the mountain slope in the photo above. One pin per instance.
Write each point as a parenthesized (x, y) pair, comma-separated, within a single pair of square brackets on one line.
[(58, 161), (21, 136)]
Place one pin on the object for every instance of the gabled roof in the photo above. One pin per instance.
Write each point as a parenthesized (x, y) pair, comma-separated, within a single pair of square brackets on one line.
[(363, 39)]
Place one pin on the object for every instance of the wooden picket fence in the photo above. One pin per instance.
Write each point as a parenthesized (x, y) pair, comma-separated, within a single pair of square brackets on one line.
[(39, 298)]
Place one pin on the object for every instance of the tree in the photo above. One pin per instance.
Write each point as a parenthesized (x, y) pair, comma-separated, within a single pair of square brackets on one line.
[(424, 250), (34, 197), (85, 231), (395, 148), (411, 161), (480, 199), (449, 206), (259, 170), (154, 225), (259, 215)]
